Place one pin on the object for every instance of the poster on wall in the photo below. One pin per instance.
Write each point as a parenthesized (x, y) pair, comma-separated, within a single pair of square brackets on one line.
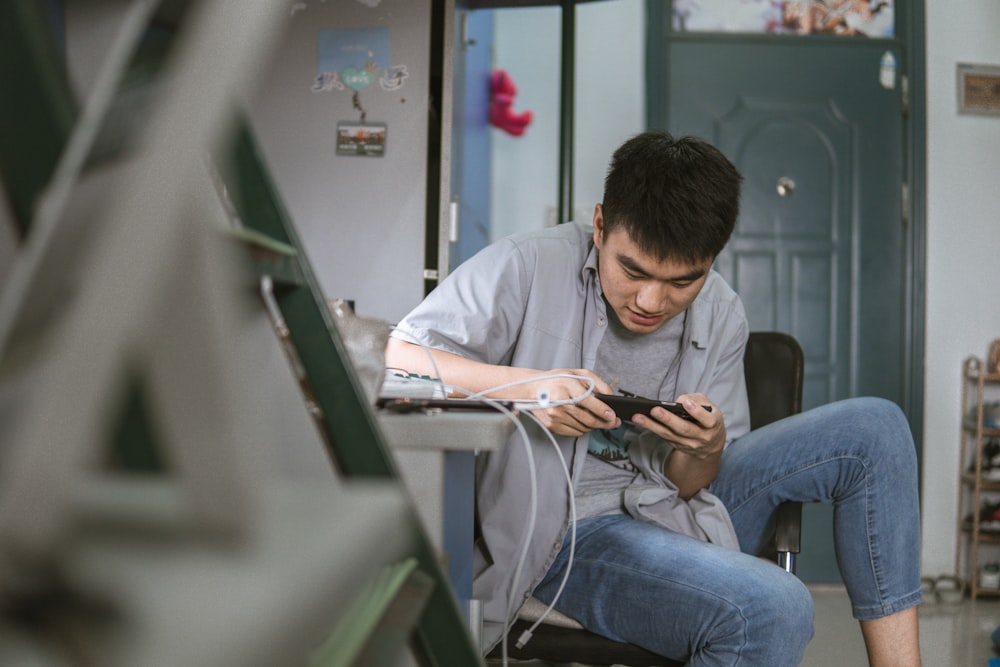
[(847, 18), (978, 89), (365, 139), (356, 58)]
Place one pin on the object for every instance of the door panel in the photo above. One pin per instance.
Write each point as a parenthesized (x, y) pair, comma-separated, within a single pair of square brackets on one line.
[(802, 233), (818, 249), (471, 153)]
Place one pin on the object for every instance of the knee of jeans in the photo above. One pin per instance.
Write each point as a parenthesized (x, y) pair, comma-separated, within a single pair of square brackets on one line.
[(778, 605), (891, 430), (874, 411), (797, 601), (879, 412), (771, 624), (785, 608)]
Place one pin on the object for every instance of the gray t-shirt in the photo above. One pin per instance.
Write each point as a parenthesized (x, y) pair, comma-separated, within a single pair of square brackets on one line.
[(641, 364)]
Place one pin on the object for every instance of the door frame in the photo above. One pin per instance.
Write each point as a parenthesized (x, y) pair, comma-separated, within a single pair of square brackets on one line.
[(910, 42)]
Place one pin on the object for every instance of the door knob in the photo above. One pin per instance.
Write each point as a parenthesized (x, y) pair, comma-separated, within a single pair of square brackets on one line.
[(785, 187)]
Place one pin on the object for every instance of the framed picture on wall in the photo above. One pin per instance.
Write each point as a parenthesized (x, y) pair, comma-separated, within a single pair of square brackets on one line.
[(845, 18), (364, 139), (978, 89)]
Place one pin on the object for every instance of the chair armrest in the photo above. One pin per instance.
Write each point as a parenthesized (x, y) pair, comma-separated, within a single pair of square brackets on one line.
[(788, 528)]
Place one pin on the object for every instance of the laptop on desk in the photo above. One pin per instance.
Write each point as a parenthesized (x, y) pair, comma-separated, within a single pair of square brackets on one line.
[(401, 392)]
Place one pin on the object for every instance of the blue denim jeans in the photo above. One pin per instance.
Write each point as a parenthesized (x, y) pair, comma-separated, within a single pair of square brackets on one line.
[(689, 600)]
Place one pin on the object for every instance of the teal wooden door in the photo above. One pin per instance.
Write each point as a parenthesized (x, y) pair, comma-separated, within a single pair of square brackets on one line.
[(816, 127)]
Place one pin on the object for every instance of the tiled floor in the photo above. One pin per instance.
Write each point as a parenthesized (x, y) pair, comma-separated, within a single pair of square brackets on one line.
[(951, 634)]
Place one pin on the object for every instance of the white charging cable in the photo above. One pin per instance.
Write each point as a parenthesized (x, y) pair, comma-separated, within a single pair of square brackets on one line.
[(526, 636), (543, 401), (529, 530)]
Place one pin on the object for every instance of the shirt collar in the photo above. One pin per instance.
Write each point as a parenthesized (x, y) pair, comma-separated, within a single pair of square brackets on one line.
[(590, 266), (589, 274), (700, 313)]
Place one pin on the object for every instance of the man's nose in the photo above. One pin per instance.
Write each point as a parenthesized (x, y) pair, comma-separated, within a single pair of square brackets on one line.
[(651, 297)]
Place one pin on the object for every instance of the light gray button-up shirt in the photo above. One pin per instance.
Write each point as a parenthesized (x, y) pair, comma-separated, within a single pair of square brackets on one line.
[(533, 301)]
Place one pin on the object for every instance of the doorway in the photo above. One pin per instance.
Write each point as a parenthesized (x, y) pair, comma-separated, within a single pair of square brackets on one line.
[(822, 249)]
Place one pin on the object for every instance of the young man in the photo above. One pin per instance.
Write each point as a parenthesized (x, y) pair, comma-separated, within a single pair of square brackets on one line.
[(670, 513)]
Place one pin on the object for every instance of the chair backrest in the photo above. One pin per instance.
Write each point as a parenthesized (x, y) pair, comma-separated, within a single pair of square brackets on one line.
[(773, 365)]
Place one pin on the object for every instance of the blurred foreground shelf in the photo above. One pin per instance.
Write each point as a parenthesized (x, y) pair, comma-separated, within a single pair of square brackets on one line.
[(137, 584)]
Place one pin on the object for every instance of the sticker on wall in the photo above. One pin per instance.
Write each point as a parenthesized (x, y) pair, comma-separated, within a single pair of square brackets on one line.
[(354, 59), (393, 78), (326, 81), (364, 139), (355, 55)]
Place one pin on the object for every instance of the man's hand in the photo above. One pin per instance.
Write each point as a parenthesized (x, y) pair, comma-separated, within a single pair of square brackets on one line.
[(697, 445), (700, 439), (577, 418), (520, 383)]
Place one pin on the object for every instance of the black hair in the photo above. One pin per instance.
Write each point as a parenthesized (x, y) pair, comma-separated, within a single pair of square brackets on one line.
[(677, 198)]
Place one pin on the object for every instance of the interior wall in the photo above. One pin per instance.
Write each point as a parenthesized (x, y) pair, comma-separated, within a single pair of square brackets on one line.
[(525, 169), (963, 240), (610, 107), (361, 218), (610, 91)]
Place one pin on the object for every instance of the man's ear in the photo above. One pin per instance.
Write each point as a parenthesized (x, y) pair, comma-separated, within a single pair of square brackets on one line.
[(598, 225)]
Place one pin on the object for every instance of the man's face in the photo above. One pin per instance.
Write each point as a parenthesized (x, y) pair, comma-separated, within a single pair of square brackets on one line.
[(643, 292)]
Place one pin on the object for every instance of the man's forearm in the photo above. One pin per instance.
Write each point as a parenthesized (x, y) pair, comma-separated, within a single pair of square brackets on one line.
[(457, 371), (689, 473)]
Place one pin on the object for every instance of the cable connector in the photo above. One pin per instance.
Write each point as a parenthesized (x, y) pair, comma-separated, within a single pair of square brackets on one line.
[(544, 400), (523, 639)]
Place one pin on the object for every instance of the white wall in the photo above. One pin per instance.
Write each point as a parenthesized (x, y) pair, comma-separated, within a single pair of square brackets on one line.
[(525, 169), (963, 253), (361, 219), (610, 90), (610, 107)]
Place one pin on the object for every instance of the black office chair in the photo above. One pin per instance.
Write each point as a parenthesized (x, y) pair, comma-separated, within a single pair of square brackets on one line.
[(773, 367)]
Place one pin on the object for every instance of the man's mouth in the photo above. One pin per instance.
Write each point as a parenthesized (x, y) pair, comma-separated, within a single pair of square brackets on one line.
[(642, 319)]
